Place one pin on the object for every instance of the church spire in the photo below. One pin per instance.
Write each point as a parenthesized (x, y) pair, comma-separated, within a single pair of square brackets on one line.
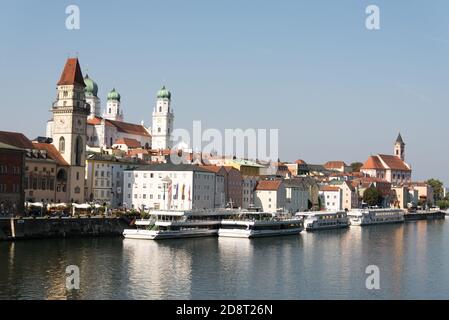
[(71, 75), (399, 139), (399, 148)]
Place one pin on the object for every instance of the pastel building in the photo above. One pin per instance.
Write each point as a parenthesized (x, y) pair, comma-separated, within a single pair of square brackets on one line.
[(331, 198), (270, 195), (168, 186)]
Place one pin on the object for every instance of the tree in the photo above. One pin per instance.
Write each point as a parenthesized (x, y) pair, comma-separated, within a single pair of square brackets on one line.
[(443, 204), (372, 197), (356, 166), (437, 187)]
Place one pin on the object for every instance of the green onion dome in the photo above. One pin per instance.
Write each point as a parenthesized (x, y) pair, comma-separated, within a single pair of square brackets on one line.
[(114, 95), (91, 88), (163, 93)]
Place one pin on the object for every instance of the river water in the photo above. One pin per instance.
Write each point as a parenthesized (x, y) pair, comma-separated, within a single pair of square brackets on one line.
[(413, 262)]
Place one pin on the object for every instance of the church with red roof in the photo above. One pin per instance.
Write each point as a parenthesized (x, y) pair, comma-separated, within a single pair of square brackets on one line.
[(391, 168)]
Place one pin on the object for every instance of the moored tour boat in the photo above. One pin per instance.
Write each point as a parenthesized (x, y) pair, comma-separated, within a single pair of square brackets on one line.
[(321, 220), (251, 224), (177, 224), (363, 217)]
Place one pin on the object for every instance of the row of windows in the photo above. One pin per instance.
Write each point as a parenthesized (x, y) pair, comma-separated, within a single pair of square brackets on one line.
[(398, 176), (14, 170), (102, 194), (44, 169), (14, 188), (39, 183), (159, 197), (102, 174), (102, 183)]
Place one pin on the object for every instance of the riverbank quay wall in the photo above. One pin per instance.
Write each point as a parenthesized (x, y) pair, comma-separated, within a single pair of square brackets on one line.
[(32, 228)]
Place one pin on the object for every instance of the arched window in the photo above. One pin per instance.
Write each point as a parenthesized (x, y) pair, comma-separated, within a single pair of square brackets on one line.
[(160, 109), (78, 150), (61, 145), (158, 129)]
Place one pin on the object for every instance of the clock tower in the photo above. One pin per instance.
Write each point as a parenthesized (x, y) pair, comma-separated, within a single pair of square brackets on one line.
[(69, 126)]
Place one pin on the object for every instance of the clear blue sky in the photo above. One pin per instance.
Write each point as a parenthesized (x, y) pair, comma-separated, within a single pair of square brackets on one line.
[(334, 89)]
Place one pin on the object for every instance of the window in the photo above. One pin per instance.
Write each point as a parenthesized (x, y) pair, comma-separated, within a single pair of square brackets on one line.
[(61, 145), (78, 150)]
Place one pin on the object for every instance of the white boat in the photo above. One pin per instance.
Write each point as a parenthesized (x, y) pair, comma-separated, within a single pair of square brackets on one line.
[(321, 220), (177, 224), (364, 217), (251, 224)]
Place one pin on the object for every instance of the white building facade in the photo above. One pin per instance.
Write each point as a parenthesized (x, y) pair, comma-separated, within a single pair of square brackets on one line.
[(166, 186), (331, 198)]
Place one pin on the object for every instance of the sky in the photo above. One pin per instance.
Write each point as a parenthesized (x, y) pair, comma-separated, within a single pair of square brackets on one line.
[(333, 88)]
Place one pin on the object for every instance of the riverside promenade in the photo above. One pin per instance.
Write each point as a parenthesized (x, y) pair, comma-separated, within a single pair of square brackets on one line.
[(43, 227)]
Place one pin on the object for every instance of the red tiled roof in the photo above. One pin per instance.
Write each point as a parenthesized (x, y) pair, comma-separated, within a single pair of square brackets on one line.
[(394, 162), (373, 162), (130, 128), (215, 169), (94, 121), (299, 161), (134, 152), (52, 152), (130, 143), (71, 74), (329, 189), (16, 139), (266, 185), (334, 164)]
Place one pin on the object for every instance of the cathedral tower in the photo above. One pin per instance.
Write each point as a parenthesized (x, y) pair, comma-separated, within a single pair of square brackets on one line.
[(399, 148), (113, 111), (69, 126), (162, 121), (91, 92)]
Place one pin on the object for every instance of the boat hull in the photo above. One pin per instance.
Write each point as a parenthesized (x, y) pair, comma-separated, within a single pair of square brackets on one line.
[(318, 228), (237, 233), (161, 235), (369, 223)]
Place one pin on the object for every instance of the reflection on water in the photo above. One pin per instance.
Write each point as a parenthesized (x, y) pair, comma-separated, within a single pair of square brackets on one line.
[(412, 257)]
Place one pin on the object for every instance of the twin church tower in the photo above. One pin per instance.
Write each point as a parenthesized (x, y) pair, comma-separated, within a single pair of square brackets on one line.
[(77, 123), (77, 113)]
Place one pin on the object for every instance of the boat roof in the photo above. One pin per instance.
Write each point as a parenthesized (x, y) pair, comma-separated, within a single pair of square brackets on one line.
[(318, 213), (178, 213)]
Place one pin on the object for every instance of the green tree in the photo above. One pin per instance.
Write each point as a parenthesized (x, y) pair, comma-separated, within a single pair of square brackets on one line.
[(356, 166), (372, 197), (437, 187)]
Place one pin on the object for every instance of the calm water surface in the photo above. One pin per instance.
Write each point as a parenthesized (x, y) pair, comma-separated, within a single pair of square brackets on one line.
[(413, 259)]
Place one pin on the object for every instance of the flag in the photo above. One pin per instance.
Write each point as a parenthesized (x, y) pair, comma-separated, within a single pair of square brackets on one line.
[(169, 194), (182, 192), (175, 194)]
